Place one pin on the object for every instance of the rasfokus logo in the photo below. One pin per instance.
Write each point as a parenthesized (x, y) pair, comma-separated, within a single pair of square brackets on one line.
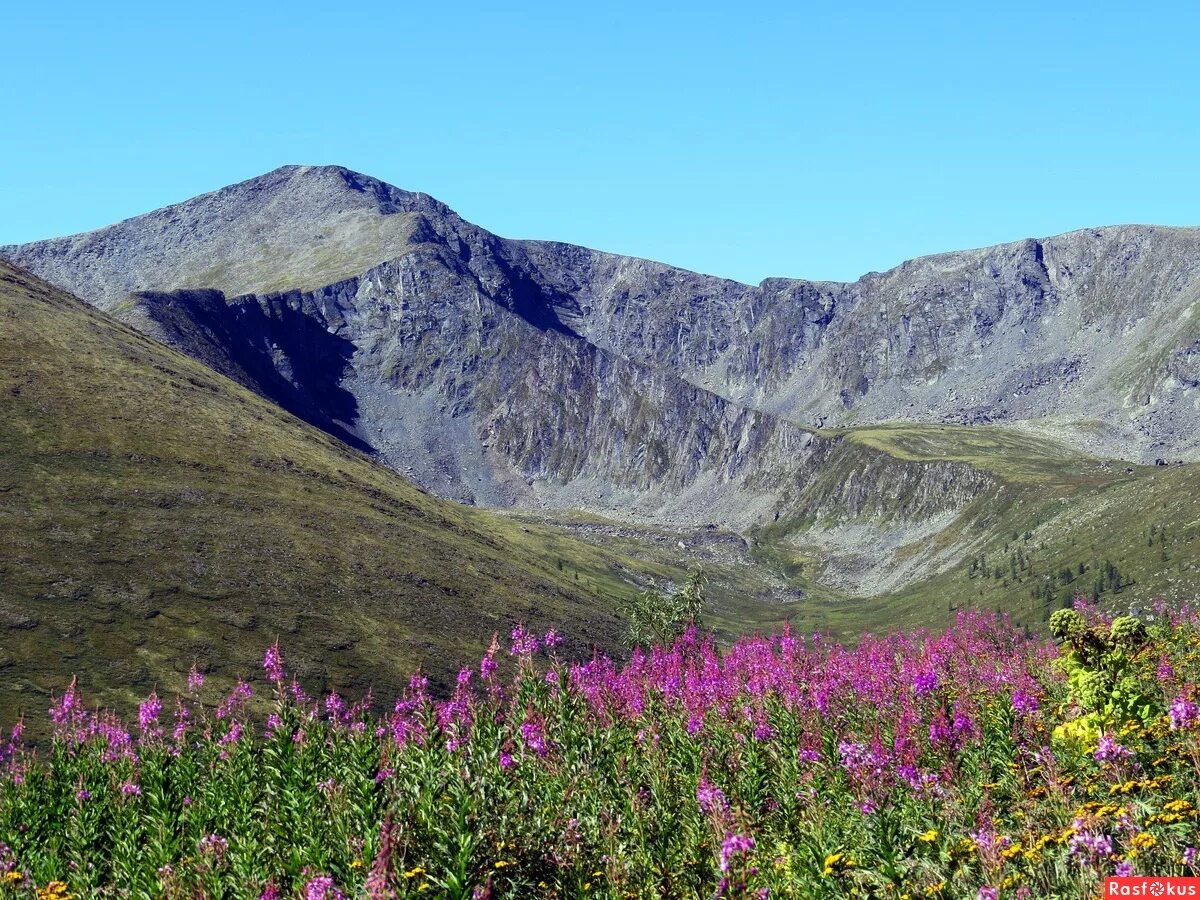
[(1148, 886)]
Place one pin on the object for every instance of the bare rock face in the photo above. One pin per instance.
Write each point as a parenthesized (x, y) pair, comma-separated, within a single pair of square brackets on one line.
[(532, 373)]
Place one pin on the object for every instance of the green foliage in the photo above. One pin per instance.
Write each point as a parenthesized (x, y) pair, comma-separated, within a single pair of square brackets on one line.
[(1100, 662), (653, 617)]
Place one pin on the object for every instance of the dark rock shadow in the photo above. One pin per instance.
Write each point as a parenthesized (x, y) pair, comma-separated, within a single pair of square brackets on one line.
[(275, 345)]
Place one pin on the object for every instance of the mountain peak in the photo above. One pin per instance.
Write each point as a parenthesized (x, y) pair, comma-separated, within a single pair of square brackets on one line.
[(295, 227)]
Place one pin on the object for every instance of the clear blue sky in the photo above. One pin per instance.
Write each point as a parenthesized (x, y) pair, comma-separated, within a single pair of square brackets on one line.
[(740, 139)]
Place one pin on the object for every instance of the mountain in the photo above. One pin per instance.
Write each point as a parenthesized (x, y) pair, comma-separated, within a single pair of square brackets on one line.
[(870, 440), (1093, 330), (154, 512)]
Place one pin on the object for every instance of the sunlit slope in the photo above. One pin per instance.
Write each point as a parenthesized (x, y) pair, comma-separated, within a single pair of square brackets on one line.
[(984, 516), (153, 512)]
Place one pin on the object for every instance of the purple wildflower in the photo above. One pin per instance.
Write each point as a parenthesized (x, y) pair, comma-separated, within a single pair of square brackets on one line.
[(735, 845), (1024, 703), (1109, 750), (533, 731), (195, 680), (322, 888), (925, 683), (273, 664), (148, 713), (523, 643), (1183, 714), (236, 700), (213, 845), (711, 798)]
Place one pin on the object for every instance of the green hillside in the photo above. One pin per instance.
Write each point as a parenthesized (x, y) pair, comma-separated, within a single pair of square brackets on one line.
[(153, 513), (1041, 524)]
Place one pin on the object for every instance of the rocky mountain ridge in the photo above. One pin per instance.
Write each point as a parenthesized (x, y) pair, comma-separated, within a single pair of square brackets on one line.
[(508, 372)]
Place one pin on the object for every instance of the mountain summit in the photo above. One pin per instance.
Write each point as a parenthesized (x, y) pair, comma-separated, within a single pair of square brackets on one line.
[(294, 227)]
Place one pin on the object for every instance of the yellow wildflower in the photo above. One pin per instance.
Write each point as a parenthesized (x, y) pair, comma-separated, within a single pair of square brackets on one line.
[(1142, 842), (836, 862), (1012, 850), (929, 836)]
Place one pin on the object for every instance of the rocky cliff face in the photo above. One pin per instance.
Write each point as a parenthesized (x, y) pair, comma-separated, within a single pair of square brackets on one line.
[(519, 372)]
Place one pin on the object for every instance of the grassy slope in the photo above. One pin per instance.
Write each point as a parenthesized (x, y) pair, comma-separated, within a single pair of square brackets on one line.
[(153, 512), (1052, 510)]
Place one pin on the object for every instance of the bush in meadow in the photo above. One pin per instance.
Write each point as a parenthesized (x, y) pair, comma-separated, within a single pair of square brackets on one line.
[(919, 765)]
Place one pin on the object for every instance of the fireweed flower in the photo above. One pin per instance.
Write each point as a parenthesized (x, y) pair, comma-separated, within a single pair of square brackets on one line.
[(273, 664), (195, 680), (523, 643), (182, 714), (1024, 703), (213, 845), (734, 846), (232, 736), (1109, 750), (237, 698), (148, 713), (1089, 846), (533, 732), (322, 888), (711, 798), (925, 683), (335, 707), (68, 715), (1183, 714)]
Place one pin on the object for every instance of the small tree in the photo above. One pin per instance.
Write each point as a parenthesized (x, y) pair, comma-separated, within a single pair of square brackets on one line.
[(656, 618)]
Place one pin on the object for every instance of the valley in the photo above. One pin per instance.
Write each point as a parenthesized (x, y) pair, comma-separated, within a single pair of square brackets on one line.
[(432, 433)]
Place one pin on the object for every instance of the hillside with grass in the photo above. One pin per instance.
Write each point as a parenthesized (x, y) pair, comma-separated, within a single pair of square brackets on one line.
[(1009, 520), (153, 513)]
